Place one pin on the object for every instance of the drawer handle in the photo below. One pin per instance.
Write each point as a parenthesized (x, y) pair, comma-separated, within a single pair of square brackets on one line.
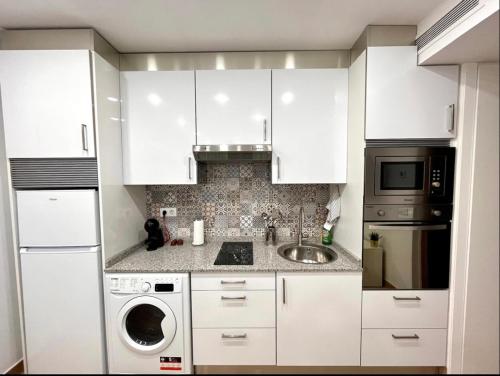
[(233, 297), (242, 282), (406, 298), (234, 336), (415, 336)]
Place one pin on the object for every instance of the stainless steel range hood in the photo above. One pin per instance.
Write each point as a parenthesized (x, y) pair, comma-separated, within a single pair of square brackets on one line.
[(230, 153)]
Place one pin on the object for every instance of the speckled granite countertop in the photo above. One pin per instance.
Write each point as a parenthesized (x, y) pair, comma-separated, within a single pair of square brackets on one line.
[(189, 258)]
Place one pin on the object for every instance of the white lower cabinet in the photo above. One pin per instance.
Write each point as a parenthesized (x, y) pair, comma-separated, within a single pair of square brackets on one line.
[(405, 309), (318, 318), (234, 309), (234, 318), (404, 328), (404, 347), (249, 346), (232, 281)]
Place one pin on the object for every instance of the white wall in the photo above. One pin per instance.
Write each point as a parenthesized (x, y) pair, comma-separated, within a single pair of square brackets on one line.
[(10, 331), (123, 209), (474, 301), (349, 229)]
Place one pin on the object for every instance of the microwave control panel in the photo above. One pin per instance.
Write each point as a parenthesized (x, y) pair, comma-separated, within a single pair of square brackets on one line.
[(437, 175)]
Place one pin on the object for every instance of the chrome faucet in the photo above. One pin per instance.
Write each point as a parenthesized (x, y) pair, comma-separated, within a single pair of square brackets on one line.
[(301, 235)]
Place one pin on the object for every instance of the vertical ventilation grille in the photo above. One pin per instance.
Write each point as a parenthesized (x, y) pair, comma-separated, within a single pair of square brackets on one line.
[(38, 173), (445, 22), (407, 143)]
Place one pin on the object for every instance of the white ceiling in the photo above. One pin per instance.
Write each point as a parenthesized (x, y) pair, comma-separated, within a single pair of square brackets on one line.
[(217, 25)]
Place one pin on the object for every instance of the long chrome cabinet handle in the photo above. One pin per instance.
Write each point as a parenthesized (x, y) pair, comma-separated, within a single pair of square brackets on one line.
[(242, 282), (415, 336), (376, 226), (265, 130), (450, 118), (278, 163), (189, 168), (417, 298), (233, 298), (284, 291), (233, 336), (85, 141)]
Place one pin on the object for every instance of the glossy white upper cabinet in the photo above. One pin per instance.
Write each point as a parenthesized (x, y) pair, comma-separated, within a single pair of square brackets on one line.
[(158, 114), (406, 101), (309, 126), (233, 107), (46, 100), (318, 319)]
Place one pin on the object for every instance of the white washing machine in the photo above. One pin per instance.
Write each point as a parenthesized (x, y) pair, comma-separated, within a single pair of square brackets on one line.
[(148, 323)]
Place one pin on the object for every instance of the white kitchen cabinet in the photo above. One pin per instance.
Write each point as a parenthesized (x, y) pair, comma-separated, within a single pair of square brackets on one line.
[(234, 318), (406, 101), (234, 309), (404, 328), (405, 309), (158, 134), (233, 281), (234, 347), (46, 100), (318, 319), (404, 347), (309, 126), (233, 107)]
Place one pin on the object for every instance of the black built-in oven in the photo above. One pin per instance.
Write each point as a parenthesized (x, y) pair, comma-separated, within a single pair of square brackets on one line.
[(408, 206)]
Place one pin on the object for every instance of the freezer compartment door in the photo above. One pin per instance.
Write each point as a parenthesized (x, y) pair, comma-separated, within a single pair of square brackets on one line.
[(58, 218), (63, 311)]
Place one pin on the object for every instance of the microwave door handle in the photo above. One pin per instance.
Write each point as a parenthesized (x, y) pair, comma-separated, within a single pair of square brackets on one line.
[(381, 226)]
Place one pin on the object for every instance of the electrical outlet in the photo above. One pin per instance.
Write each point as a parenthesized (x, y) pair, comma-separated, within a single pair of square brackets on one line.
[(169, 212)]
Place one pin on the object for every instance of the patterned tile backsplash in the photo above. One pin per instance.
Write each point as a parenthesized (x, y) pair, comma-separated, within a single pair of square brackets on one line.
[(230, 198)]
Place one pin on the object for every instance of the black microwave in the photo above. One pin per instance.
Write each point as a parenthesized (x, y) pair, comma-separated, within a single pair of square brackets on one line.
[(409, 175)]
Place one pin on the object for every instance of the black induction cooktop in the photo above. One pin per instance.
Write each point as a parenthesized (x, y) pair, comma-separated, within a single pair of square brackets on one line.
[(235, 253)]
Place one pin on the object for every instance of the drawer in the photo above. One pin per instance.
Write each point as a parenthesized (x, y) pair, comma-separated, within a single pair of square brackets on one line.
[(249, 347), (390, 309), (380, 348), (233, 309), (233, 281)]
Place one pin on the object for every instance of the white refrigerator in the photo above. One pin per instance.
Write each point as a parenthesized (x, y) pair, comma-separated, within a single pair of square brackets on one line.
[(61, 281)]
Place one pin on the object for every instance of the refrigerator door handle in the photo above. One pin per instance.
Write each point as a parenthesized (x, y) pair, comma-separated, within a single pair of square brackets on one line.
[(59, 250)]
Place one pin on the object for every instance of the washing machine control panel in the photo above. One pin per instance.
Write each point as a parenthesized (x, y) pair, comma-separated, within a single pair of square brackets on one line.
[(141, 284)]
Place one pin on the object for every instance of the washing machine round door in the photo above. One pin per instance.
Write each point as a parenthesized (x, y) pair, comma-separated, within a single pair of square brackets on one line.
[(146, 325)]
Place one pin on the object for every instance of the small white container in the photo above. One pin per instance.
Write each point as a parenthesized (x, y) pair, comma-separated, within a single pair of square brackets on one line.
[(198, 232)]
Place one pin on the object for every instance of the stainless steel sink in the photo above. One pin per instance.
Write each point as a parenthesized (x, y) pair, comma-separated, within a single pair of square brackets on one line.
[(307, 253)]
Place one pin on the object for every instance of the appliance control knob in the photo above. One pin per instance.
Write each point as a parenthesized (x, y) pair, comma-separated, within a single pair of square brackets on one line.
[(145, 287), (436, 184), (381, 213), (436, 212)]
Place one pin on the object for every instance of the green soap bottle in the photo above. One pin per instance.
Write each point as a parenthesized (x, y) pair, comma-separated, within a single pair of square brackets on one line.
[(327, 234)]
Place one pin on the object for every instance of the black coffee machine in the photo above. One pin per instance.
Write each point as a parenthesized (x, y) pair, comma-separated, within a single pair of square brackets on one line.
[(155, 238)]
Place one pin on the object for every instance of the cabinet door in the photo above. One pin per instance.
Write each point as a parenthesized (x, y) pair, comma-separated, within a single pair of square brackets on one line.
[(158, 114), (318, 319), (309, 126), (47, 103), (407, 101), (233, 107)]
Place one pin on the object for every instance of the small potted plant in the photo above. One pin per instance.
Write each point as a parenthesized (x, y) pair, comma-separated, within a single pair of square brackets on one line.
[(374, 238)]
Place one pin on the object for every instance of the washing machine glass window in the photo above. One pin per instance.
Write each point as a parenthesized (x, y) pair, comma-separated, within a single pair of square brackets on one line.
[(143, 324), (147, 324)]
